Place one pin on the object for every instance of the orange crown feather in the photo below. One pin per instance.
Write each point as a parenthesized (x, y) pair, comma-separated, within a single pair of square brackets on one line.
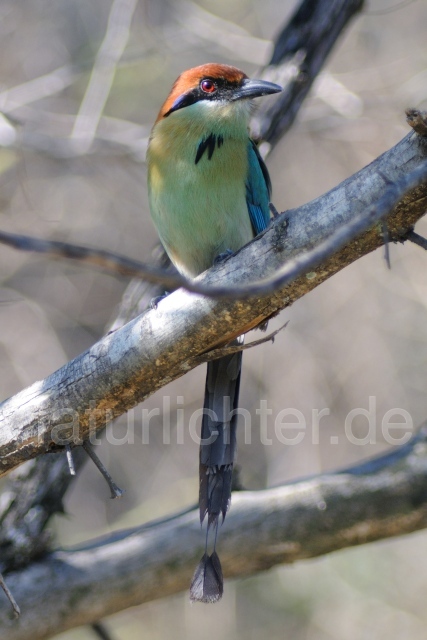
[(191, 78)]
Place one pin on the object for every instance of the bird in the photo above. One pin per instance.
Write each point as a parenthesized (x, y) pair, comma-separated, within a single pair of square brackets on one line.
[(209, 193)]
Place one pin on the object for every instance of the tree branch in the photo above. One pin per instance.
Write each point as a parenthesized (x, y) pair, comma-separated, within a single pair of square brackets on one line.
[(381, 498), (103, 72), (283, 276), (300, 51), (127, 366), (34, 493), (296, 90), (417, 239)]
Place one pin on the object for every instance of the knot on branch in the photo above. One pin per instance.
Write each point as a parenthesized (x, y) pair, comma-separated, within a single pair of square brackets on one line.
[(417, 120)]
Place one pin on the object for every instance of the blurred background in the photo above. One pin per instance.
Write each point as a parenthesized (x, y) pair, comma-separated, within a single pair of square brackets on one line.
[(82, 83)]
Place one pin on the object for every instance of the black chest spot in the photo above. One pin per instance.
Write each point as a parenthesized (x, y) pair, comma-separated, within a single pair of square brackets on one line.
[(209, 145)]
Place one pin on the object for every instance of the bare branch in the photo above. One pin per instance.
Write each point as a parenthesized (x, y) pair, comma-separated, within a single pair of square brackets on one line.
[(125, 135), (291, 270), (235, 348), (225, 36), (417, 239), (130, 364), (417, 120), (103, 73), (9, 595), (34, 493), (381, 498), (70, 460), (101, 631), (410, 205), (96, 257), (36, 89), (48, 133), (115, 491), (299, 53)]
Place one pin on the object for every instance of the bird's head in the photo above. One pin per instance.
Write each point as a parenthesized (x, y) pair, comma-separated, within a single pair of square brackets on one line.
[(214, 90)]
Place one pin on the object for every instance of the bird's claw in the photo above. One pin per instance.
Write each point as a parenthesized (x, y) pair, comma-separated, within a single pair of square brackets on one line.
[(222, 256), (154, 302)]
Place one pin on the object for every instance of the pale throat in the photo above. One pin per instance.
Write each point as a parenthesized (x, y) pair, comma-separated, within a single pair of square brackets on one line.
[(193, 124)]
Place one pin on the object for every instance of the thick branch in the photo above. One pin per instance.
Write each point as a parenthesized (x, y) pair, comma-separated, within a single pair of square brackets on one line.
[(382, 498), (127, 366), (269, 284), (34, 493), (23, 519), (300, 51)]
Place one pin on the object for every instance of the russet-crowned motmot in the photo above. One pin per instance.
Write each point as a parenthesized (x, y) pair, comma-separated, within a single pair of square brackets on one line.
[(209, 193)]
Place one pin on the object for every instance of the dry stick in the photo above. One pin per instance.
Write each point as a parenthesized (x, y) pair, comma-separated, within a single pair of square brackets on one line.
[(70, 460), (386, 239), (130, 364), (287, 273), (116, 492), (228, 349), (101, 631), (103, 72), (95, 257), (295, 101), (9, 595), (383, 497), (53, 464), (39, 489), (300, 51), (417, 239)]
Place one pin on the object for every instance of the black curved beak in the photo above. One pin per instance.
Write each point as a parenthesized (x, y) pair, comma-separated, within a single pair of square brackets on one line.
[(254, 89)]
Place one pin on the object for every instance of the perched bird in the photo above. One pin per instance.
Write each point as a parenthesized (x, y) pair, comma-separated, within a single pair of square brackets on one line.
[(209, 193)]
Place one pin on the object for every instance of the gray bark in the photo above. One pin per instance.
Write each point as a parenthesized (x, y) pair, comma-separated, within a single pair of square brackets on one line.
[(128, 365), (381, 498)]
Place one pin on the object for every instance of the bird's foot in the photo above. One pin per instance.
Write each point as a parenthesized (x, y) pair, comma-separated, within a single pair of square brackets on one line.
[(154, 302), (222, 256)]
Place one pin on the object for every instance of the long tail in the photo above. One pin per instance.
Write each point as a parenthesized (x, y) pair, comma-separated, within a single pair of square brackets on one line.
[(217, 453)]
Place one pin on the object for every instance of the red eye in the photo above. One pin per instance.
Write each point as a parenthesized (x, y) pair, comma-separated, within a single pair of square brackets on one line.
[(208, 86)]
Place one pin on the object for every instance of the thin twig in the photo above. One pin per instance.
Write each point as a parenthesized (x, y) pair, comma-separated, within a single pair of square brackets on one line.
[(290, 270), (38, 488), (417, 239), (229, 349), (386, 239), (100, 631), (224, 35), (36, 89), (116, 492), (70, 460), (128, 365), (9, 595), (104, 69)]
